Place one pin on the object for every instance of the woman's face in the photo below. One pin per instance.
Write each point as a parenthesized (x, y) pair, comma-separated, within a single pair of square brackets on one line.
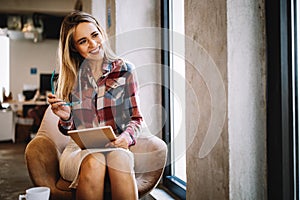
[(87, 39)]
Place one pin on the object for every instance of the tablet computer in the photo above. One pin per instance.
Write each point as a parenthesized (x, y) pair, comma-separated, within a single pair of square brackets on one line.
[(96, 137)]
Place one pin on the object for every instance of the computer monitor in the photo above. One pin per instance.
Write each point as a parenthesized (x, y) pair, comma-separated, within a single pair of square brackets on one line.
[(45, 83)]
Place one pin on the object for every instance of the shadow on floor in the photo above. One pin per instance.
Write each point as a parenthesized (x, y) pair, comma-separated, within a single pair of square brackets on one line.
[(14, 177)]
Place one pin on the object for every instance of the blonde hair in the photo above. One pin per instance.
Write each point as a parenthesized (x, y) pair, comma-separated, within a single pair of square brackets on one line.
[(69, 59)]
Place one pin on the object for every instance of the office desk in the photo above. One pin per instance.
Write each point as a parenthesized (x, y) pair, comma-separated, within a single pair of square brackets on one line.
[(18, 106), (12, 120)]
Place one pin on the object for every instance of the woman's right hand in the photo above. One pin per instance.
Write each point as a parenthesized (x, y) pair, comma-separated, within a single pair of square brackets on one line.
[(58, 107)]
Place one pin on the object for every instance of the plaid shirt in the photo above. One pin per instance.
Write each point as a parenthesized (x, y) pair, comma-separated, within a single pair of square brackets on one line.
[(111, 100)]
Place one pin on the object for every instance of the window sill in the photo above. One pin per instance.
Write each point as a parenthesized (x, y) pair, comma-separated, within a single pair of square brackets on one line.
[(161, 193)]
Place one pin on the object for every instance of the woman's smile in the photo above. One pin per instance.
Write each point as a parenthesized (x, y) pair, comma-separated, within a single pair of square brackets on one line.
[(95, 51), (88, 40)]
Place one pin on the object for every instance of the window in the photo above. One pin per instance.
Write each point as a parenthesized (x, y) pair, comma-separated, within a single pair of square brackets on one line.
[(177, 86), (4, 63), (174, 95)]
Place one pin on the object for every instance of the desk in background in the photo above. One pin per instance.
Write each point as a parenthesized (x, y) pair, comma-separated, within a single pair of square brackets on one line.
[(16, 122), (21, 107)]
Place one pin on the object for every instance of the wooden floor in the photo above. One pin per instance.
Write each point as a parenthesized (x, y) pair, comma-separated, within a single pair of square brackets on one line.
[(14, 178)]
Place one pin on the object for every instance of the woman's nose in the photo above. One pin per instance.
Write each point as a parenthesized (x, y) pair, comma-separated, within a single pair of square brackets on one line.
[(92, 43)]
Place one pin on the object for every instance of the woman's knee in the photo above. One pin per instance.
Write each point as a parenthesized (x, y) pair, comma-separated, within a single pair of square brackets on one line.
[(120, 160), (95, 160), (93, 166)]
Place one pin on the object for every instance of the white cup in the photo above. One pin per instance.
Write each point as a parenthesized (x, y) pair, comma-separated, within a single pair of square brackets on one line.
[(36, 193)]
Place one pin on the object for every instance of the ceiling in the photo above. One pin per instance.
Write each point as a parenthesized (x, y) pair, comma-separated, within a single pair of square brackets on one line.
[(50, 23)]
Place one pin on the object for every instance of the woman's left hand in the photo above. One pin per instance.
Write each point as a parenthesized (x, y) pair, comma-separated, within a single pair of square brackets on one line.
[(120, 142)]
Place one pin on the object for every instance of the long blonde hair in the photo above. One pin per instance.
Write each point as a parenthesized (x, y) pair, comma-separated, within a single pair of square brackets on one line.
[(69, 59)]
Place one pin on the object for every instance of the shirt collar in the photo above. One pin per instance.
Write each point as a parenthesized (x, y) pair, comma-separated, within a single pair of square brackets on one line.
[(106, 68)]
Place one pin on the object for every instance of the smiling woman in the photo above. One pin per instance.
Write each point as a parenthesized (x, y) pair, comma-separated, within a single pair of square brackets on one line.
[(42, 56), (88, 41), (106, 100)]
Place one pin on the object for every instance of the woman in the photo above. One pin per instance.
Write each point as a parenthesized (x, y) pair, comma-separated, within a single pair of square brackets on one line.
[(95, 88)]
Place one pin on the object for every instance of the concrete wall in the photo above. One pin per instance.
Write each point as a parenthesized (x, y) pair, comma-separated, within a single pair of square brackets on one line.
[(24, 55), (98, 10), (229, 40), (206, 73), (137, 37), (247, 99)]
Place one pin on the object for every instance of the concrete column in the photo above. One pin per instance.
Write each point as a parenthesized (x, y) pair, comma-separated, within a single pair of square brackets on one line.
[(228, 44), (206, 100), (247, 99)]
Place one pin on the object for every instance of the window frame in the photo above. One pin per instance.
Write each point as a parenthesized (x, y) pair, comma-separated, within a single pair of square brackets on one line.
[(295, 63), (281, 134), (172, 183)]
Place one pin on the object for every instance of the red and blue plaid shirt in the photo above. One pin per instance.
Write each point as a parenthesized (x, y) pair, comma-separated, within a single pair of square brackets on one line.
[(111, 100)]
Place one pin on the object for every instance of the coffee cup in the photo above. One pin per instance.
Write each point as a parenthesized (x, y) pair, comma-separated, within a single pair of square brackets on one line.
[(36, 193)]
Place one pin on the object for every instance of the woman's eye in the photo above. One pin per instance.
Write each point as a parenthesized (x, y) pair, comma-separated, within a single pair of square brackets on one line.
[(95, 35), (82, 41)]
